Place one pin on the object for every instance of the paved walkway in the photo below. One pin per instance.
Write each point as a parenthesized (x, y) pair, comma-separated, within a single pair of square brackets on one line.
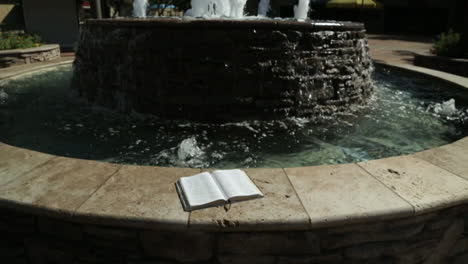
[(398, 49)]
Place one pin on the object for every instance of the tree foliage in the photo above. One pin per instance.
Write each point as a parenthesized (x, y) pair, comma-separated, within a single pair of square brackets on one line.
[(450, 44)]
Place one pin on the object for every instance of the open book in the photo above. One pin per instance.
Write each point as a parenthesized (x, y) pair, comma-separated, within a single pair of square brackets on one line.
[(216, 188)]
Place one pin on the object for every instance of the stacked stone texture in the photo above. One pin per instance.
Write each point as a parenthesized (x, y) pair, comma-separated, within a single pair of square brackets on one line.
[(27, 56), (440, 237), (224, 70)]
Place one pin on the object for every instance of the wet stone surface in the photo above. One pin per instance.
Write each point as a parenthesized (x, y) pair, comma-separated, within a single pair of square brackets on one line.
[(224, 73)]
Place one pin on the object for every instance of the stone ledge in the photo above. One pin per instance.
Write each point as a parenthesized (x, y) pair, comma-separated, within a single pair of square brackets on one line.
[(329, 195), (229, 23), (43, 53), (447, 64), (46, 47)]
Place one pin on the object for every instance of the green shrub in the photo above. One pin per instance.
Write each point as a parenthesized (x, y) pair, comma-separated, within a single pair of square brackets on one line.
[(18, 40), (450, 45)]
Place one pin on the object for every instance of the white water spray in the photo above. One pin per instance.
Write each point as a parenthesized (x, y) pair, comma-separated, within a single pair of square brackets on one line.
[(217, 8), (301, 10), (139, 8), (263, 7), (447, 108)]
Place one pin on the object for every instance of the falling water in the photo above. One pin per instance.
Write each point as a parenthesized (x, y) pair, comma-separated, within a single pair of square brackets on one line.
[(139, 8), (301, 10), (263, 7), (217, 8)]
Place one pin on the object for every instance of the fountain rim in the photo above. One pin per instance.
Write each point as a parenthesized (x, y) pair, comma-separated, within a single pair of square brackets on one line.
[(226, 23), (261, 219)]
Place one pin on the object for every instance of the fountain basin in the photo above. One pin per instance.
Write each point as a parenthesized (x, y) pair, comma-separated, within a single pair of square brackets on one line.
[(405, 209), (217, 70)]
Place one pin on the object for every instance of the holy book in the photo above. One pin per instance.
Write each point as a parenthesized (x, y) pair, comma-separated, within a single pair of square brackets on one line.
[(216, 188)]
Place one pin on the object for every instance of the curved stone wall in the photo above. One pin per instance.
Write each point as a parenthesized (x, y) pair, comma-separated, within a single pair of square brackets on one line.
[(407, 209), (440, 237), (224, 69), (48, 52)]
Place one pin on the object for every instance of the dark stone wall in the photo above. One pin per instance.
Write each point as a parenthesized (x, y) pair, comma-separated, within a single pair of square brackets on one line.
[(451, 65), (438, 237), (223, 69), (9, 58)]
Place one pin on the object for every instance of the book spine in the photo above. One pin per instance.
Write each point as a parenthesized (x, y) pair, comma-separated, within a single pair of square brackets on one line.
[(226, 198)]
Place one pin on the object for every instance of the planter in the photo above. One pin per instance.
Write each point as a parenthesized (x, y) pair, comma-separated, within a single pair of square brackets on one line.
[(14, 57)]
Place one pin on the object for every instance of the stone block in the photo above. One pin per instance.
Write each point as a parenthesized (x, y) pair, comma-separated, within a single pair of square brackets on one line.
[(125, 196), (323, 259), (14, 162), (356, 238), (284, 243), (344, 194), (426, 186), (461, 259), (42, 251), (460, 247), (60, 229), (380, 249), (181, 246), (280, 208), (451, 235), (17, 223), (230, 259)]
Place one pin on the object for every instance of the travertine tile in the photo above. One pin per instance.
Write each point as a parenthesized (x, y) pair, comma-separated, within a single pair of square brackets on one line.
[(280, 208), (452, 157), (14, 162), (61, 183), (344, 193), (426, 186), (143, 194), (462, 143)]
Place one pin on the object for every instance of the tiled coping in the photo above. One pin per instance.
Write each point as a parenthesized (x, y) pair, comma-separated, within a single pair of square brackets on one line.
[(295, 198), (406, 209)]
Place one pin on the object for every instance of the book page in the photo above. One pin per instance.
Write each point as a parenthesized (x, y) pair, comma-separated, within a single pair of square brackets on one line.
[(236, 183), (200, 189)]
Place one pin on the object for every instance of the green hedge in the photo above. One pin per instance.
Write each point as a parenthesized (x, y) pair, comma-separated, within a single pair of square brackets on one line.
[(18, 40), (450, 44)]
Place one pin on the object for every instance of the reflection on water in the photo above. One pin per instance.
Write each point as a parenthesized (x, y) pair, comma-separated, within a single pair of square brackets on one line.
[(406, 115)]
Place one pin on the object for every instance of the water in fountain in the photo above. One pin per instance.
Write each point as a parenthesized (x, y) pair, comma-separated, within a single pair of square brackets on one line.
[(263, 7), (139, 8), (406, 114), (217, 8), (301, 10)]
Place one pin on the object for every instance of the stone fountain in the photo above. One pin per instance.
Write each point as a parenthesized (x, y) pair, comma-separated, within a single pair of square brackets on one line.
[(221, 69)]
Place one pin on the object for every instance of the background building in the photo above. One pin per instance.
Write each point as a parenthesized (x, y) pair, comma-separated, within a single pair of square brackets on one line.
[(56, 21), (11, 15)]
